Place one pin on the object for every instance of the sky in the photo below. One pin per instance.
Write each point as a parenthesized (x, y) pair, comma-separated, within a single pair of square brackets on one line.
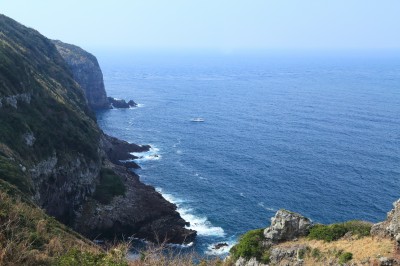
[(222, 25)]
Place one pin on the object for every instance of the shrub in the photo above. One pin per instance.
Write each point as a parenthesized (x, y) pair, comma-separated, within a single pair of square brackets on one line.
[(335, 231), (83, 258), (345, 257), (316, 253), (327, 232), (359, 228), (250, 245)]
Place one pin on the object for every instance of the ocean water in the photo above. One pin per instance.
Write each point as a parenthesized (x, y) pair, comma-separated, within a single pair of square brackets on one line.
[(315, 134)]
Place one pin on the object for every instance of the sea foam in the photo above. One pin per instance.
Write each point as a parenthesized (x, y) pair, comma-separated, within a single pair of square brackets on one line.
[(201, 224), (151, 155)]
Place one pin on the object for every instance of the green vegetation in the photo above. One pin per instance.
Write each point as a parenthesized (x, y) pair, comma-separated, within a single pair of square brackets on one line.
[(250, 245), (333, 232), (110, 186), (77, 257), (345, 257), (316, 253), (11, 172)]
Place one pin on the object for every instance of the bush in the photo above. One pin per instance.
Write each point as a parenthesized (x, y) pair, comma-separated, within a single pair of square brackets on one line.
[(316, 253), (250, 245), (83, 258), (358, 228), (335, 231), (345, 257)]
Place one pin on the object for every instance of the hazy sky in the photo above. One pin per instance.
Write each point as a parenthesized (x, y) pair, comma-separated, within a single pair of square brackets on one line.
[(225, 25)]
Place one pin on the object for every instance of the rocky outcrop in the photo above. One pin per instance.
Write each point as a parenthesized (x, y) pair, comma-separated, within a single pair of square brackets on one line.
[(119, 151), (286, 225), (391, 226), (119, 103), (86, 72), (142, 212)]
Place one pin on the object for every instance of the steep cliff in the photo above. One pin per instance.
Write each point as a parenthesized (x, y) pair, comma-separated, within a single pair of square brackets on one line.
[(86, 72), (53, 151)]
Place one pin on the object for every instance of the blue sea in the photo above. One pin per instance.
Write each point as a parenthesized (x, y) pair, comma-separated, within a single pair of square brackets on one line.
[(317, 134)]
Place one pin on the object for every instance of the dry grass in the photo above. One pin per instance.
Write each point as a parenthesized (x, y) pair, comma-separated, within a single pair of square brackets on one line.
[(162, 255), (29, 237), (365, 250)]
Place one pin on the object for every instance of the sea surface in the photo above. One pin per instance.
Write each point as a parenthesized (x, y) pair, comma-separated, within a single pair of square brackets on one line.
[(315, 134)]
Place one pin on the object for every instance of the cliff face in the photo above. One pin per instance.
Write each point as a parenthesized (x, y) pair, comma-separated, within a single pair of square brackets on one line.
[(86, 72), (53, 151)]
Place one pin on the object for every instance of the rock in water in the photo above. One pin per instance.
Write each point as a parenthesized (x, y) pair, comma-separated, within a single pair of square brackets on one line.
[(119, 103), (286, 225)]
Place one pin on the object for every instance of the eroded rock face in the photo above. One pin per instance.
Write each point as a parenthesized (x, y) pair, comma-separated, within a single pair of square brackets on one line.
[(86, 72), (142, 212), (286, 225), (391, 226)]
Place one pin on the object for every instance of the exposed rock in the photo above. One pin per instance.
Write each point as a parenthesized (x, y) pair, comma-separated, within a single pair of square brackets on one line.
[(141, 213), (86, 72), (251, 262), (119, 103), (384, 261), (29, 139), (220, 245), (287, 255), (118, 150), (61, 188), (286, 225), (391, 226)]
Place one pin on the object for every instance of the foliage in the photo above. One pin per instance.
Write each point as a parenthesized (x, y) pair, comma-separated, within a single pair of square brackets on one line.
[(345, 257), (333, 232), (85, 258), (11, 172), (249, 245), (110, 185)]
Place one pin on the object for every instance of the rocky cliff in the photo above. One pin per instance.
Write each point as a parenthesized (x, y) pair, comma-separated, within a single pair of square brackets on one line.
[(53, 151), (86, 72)]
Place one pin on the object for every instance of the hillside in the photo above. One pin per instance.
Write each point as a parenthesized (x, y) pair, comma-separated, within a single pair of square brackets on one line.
[(52, 150)]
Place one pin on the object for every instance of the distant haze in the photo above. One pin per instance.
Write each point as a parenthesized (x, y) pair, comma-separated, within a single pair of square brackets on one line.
[(220, 25)]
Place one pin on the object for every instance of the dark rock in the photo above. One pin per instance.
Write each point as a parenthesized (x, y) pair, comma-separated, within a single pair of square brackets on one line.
[(118, 150), (286, 225), (220, 245), (141, 213), (119, 103)]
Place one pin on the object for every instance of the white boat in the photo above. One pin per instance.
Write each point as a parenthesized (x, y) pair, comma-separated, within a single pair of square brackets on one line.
[(197, 119)]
